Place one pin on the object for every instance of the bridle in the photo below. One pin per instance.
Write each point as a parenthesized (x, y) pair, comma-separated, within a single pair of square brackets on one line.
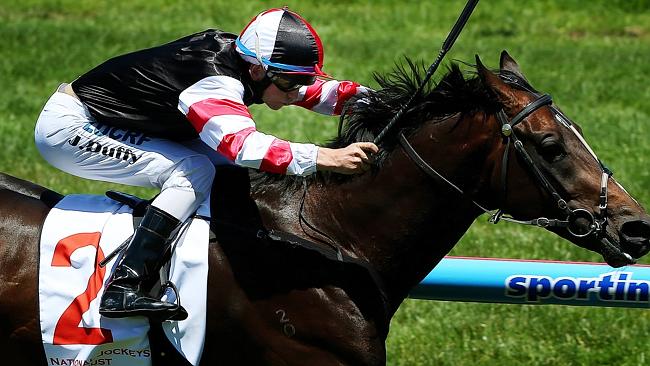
[(595, 224)]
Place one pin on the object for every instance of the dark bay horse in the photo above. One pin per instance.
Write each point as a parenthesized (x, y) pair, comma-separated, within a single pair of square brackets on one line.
[(469, 144)]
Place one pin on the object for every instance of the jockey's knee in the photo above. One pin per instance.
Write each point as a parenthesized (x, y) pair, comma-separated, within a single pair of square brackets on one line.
[(195, 173)]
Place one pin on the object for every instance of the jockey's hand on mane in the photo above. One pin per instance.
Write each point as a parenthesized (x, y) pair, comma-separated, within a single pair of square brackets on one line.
[(352, 159)]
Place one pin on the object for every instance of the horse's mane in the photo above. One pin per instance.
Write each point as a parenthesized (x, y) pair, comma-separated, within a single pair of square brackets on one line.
[(363, 118)]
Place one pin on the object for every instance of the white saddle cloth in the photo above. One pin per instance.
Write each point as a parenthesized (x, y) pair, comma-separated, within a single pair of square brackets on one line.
[(78, 233)]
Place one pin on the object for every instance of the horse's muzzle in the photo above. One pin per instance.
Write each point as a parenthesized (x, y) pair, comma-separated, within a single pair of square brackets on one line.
[(635, 237)]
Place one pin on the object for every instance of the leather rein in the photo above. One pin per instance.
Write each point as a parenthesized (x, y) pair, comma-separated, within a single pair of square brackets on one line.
[(596, 224)]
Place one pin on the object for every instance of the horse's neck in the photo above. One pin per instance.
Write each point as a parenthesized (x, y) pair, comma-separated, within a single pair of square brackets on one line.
[(402, 226), (400, 220)]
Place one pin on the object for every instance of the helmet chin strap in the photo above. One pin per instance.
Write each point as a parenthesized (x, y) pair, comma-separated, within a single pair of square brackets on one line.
[(258, 88)]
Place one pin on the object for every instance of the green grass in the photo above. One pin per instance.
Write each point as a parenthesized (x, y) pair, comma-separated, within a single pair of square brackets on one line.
[(592, 56)]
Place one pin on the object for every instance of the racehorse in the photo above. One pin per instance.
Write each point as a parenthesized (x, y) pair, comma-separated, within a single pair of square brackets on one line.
[(469, 144)]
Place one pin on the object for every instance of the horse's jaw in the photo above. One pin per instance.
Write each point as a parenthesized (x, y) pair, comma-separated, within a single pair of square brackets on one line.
[(620, 246), (607, 247)]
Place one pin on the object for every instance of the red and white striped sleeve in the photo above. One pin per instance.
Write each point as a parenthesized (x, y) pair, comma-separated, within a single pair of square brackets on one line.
[(328, 97), (214, 106)]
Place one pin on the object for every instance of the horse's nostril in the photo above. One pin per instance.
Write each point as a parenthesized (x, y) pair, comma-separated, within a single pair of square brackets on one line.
[(635, 235), (636, 229)]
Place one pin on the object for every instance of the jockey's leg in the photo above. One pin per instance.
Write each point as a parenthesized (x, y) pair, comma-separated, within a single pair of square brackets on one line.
[(70, 139), (128, 287)]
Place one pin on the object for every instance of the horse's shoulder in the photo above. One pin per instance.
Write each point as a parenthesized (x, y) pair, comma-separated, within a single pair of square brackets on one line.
[(296, 297)]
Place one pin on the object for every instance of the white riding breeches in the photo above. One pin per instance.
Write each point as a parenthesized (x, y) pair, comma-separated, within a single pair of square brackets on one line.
[(70, 139)]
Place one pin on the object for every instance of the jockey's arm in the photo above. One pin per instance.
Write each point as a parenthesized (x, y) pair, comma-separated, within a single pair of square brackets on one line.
[(215, 107), (328, 96)]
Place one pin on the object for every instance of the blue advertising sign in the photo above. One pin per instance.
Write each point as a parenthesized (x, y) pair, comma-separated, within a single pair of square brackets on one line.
[(536, 282)]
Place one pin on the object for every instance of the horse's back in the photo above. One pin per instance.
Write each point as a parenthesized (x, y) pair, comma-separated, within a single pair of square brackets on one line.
[(21, 219)]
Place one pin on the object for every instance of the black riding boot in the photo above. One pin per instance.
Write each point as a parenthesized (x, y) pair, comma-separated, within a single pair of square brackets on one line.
[(127, 293)]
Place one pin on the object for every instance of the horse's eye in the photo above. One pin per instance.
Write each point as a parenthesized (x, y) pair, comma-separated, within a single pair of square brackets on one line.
[(551, 150)]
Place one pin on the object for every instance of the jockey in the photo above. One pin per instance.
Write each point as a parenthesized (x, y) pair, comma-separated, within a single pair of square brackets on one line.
[(165, 116)]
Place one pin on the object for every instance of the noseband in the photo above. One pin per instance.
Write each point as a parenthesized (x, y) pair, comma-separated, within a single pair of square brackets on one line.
[(579, 222)]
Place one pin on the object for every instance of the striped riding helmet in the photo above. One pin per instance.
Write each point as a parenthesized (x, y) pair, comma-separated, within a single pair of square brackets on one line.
[(282, 41)]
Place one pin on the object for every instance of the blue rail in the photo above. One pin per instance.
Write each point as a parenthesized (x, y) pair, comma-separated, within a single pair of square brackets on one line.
[(536, 282)]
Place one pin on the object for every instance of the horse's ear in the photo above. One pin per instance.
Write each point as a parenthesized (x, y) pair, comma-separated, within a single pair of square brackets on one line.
[(507, 63), (494, 83)]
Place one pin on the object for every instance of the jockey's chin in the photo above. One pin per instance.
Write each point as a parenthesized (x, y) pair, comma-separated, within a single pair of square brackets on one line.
[(275, 106)]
